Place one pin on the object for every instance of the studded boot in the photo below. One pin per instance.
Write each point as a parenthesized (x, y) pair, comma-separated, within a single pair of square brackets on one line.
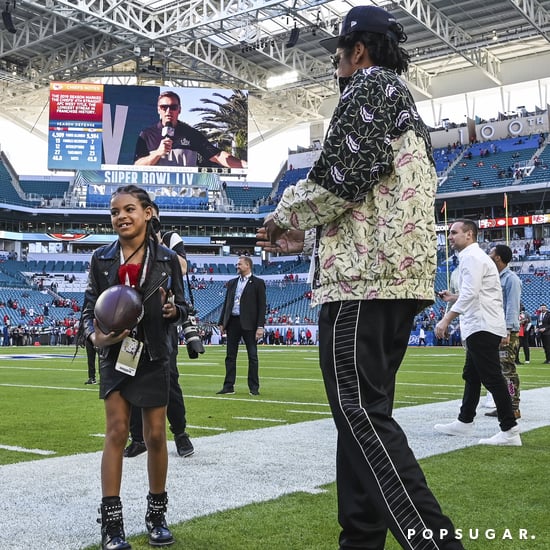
[(159, 534), (112, 526)]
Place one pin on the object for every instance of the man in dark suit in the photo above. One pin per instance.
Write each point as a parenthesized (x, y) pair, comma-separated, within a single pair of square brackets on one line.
[(243, 316), (543, 327)]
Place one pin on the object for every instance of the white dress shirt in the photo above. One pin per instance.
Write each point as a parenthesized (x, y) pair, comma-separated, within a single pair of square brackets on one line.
[(241, 283), (479, 300)]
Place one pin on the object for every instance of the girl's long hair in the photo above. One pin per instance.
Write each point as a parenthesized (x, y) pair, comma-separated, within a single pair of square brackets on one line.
[(384, 49)]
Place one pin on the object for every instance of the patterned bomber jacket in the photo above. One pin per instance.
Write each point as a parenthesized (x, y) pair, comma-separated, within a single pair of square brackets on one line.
[(371, 197)]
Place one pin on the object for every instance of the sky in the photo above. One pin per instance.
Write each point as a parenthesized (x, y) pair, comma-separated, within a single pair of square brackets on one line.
[(265, 159)]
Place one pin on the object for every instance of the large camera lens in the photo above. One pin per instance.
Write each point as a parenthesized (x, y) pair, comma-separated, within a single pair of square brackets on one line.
[(192, 338)]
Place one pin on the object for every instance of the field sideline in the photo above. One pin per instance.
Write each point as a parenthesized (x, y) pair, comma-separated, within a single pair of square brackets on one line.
[(281, 443)]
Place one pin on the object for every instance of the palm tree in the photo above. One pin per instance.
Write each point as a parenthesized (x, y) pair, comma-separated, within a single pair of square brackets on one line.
[(226, 124)]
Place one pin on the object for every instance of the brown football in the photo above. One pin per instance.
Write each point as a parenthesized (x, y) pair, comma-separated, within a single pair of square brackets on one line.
[(118, 308)]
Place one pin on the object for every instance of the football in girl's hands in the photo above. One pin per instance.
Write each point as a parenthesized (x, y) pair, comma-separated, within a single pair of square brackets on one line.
[(118, 308)]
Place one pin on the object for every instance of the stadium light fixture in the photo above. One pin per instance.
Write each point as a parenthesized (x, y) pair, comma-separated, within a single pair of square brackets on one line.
[(294, 36), (281, 79), (7, 18)]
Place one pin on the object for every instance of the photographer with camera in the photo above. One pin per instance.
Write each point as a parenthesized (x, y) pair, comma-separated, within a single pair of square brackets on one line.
[(243, 316), (175, 411)]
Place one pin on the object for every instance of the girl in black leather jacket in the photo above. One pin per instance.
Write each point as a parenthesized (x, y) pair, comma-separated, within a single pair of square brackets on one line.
[(154, 271)]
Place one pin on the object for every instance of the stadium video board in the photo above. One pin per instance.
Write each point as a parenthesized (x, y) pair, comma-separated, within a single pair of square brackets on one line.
[(147, 128)]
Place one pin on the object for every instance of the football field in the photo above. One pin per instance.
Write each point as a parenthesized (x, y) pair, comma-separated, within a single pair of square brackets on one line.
[(263, 472)]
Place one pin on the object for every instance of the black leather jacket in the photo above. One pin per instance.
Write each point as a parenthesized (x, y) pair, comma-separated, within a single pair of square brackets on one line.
[(153, 328)]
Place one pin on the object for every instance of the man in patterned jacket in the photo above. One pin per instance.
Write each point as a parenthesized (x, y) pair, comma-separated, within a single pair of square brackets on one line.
[(370, 201)]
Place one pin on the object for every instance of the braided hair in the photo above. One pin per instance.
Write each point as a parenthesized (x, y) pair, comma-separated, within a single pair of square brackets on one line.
[(143, 197)]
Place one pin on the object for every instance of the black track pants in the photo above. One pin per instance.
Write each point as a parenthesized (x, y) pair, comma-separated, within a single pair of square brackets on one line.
[(380, 484)]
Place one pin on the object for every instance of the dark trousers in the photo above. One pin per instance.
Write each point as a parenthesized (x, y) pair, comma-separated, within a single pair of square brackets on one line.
[(546, 344), (524, 345), (482, 366), (380, 484), (175, 411), (91, 355), (234, 335)]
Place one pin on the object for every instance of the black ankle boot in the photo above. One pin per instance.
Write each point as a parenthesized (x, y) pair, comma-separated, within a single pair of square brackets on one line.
[(112, 527), (159, 534)]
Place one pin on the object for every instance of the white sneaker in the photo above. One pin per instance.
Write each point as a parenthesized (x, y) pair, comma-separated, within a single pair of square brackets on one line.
[(527, 362), (489, 401), (455, 428), (510, 437)]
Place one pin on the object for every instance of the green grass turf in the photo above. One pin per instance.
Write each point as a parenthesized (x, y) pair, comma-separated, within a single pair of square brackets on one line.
[(491, 495), (45, 405)]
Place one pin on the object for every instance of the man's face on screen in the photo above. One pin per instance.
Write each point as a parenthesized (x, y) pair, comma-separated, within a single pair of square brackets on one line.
[(169, 110)]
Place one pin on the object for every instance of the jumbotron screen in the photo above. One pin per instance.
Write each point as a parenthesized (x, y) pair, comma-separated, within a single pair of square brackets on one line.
[(149, 128)]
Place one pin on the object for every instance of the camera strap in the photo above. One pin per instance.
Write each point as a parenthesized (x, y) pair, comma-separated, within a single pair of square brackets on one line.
[(191, 299)]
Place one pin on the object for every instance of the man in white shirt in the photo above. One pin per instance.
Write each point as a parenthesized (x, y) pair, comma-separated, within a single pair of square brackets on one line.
[(483, 327), (421, 337)]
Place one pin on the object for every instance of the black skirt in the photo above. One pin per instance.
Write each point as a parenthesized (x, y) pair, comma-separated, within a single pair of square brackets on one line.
[(148, 388)]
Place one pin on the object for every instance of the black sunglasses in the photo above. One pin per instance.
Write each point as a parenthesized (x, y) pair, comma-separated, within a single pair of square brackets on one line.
[(335, 60), (171, 107)]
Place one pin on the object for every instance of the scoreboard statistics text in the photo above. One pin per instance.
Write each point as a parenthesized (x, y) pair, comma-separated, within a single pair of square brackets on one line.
[(75, 127)]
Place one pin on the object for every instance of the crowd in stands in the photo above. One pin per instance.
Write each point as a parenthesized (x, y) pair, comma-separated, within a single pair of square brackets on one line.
[(477, 164), (291, 336), (32, 331), (483, 164), (509, 160), (28, 314)]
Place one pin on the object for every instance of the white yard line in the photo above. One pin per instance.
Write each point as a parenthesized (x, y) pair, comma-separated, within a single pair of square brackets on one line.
[(25, 450), (275, 420)]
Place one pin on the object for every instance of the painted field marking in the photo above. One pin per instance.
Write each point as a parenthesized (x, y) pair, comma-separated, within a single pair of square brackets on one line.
[(276, 420), (324, 413), (18, 449)]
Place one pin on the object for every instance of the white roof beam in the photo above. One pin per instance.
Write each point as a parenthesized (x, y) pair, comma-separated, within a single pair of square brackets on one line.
[(454, 36)]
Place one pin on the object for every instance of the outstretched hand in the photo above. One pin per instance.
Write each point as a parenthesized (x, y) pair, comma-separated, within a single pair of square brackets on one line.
[(287, 242), (273, 231)]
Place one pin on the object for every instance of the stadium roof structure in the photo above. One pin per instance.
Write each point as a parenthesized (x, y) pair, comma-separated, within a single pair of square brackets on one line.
[(457, 46)]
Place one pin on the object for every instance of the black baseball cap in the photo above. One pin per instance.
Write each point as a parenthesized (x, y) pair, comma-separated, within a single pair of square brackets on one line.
[(362, 18)]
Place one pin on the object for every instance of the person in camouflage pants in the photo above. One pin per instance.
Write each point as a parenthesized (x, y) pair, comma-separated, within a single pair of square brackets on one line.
[(511, 296), (508, 364)]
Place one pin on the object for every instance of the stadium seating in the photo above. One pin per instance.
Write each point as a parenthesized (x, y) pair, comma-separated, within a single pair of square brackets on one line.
[(182, 203), (493, 164), (32, 301), (8, 193), (95, 200), (290, 177), (286, 297), (541, 173), (283, 267), (246, 196), (51, 189), (445, 156), (535, 289)]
